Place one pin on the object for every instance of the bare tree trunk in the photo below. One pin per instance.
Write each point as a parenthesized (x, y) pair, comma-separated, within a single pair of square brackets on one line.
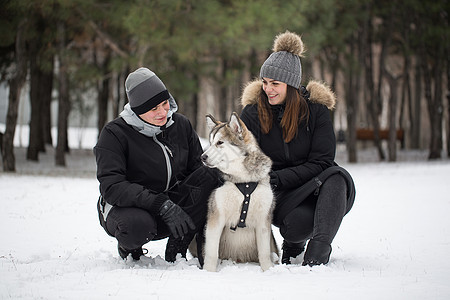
[(416, 119), (392, 141), (208, 95), (15, 87), (116, 101), (386, 43), (63, 113), (120, 90), (374, 106), (448, 106), (438, 74), (223, 93), (103, 95), (234, 92), (35, 143), (331, 58), (393, 85), (207, 103), (434, 104), (63, 100), (189, 104), (448, 122), (407, 94), (352, 105), (46, 96), (230, 90), (194, 110)]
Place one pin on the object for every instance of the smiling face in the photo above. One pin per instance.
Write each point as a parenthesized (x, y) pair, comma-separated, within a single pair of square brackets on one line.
[(157, 115), (275, 90)]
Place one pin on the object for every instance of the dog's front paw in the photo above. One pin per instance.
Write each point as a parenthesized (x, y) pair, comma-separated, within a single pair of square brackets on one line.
[(210, 267), (266, 265)]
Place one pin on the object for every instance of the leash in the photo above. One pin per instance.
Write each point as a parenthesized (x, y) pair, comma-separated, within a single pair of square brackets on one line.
[(246, 188)]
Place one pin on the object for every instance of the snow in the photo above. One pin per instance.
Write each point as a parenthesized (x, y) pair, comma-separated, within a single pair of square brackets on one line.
[(392, 245)]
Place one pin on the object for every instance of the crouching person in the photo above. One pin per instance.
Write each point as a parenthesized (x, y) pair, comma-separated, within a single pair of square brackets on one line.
[(152, 182), (292, 125)]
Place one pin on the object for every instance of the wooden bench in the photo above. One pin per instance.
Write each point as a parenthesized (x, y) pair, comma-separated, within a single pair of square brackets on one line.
[(367, 134)]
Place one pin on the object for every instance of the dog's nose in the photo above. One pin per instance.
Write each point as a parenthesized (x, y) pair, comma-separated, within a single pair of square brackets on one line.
[(204, 157)]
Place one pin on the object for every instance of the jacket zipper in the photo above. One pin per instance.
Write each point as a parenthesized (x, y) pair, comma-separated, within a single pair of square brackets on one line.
[(286, 151), (166, 152), (286, 147)]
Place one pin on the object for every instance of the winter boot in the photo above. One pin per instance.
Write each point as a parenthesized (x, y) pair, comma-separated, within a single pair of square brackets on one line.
[(179, 245), (291, 250), (317, 253), (135, 253)]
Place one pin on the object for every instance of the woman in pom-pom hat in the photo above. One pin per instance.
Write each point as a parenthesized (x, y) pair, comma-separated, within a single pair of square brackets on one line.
[(293, 127)]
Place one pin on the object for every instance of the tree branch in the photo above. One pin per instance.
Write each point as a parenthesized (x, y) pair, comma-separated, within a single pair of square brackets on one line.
[(104, 36)]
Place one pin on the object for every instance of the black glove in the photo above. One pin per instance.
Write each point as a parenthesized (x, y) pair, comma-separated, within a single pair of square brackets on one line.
[(176, 219), (274, 180)]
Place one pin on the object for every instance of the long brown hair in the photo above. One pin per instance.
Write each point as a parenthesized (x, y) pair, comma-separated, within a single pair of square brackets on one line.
[(295, 112)]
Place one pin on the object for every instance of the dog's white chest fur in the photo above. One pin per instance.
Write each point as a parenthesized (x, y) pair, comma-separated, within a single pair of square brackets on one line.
[(229, 201), (240, 244)]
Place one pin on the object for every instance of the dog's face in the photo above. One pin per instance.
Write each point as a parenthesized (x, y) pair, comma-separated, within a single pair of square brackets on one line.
[(227, 144)]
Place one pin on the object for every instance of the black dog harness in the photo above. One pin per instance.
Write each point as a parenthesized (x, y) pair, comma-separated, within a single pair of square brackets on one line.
[(246, 189)]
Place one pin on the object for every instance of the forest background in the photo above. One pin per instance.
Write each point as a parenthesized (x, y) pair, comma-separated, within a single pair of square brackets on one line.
[(387, 61)]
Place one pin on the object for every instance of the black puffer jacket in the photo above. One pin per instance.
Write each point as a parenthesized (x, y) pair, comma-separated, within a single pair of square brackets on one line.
[(311, 151), (133, 169)]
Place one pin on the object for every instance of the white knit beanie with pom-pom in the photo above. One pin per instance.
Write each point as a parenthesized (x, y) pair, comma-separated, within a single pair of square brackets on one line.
[(284, 63)]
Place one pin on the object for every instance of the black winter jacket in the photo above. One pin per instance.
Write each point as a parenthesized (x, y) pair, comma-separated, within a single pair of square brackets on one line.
[(311, 151), (134, 169)]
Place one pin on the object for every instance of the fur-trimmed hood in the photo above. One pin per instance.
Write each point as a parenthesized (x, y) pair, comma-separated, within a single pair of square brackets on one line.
[(319, 93)]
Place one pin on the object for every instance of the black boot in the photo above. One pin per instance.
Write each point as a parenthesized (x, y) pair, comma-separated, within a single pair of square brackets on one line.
[(291, 250), (317, 253), (135, 253), (179, 245)]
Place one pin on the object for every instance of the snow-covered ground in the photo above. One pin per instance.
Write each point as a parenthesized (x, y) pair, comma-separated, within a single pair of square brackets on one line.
[(394, 244)]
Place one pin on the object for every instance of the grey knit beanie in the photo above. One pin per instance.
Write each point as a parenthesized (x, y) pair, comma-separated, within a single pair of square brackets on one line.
[(284, 63), (145, 90)]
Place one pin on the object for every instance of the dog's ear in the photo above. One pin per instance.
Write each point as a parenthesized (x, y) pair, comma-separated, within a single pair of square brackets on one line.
[(211, 122), (236, 124)]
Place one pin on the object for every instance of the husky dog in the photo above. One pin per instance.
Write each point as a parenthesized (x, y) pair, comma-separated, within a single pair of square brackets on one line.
[(238, 225)]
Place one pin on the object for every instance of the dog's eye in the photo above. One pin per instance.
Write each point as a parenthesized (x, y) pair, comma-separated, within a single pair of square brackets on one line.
[(219, 143)]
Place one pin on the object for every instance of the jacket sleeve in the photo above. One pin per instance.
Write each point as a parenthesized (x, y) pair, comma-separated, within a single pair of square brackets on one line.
[(321, 155), (110, 155)]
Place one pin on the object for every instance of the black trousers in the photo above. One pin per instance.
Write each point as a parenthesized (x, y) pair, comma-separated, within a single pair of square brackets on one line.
[(134, 227), (318, 216)]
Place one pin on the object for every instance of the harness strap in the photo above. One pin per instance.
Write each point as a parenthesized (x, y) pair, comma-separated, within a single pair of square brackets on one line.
[(246, 188)]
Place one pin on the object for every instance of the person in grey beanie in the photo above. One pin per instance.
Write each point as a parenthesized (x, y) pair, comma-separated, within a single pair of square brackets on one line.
[(152, 182), (292, 125)]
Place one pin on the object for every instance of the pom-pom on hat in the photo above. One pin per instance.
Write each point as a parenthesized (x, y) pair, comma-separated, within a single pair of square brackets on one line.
[(284, 63), (145, 90)]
